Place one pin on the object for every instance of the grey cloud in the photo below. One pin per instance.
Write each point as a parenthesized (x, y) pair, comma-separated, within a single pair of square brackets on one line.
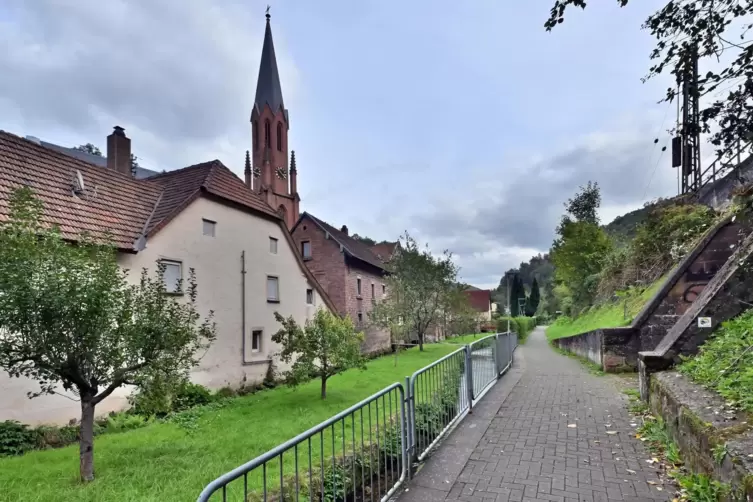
[(505, 221), (171, 69)]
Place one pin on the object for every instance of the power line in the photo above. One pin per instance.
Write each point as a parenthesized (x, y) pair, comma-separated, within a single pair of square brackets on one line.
[(664, 148)]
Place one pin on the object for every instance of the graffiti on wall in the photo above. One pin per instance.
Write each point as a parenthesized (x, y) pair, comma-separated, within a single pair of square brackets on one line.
[(696, 281)]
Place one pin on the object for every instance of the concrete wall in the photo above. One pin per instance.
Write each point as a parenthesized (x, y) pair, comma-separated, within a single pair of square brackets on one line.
[(587, 345), (217, 262), (611, 348)]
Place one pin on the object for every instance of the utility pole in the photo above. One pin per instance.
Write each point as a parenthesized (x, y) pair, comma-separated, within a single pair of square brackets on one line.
[(686, 149), (509, 312)]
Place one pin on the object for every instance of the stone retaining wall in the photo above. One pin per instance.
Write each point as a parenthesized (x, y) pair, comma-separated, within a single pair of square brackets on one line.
[(698, 421)]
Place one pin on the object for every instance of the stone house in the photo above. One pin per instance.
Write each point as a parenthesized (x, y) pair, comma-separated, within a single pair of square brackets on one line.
[(349, 270)]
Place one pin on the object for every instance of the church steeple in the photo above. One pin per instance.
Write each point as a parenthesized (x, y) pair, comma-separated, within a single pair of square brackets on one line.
[(268, 88), (269, 118)]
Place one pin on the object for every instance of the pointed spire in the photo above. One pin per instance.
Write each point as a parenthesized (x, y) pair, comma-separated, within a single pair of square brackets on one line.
[(268, 89), (247, 170), (292, 162)]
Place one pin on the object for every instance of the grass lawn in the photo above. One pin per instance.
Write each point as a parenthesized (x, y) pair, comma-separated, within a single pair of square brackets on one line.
[(466, 339), (163, 462), (603, 316)]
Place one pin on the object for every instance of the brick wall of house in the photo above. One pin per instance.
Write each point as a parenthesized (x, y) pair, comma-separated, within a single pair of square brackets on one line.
[(339, 277), (326, 263), (375, 338)]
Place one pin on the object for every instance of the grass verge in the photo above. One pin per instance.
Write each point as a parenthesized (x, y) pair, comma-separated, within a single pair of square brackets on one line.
[(724, 362), (608, 315), (166, 462)]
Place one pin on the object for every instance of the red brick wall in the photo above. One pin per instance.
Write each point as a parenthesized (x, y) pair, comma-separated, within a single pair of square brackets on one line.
[(326, 263), (375, 339), (339, 280)]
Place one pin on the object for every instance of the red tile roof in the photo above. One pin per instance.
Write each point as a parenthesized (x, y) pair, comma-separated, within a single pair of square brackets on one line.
[(384, 250), (117, 206), (352, 246), (113, 204), (480, 299)]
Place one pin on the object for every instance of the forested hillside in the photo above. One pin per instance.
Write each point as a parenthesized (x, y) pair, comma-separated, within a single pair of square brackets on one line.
[(590, 263)]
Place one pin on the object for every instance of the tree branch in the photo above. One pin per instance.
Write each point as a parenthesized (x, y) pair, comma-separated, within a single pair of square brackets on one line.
[(119, 379)]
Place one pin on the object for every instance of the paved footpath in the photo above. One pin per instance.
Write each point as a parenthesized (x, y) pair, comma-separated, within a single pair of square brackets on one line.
[(520, 444)]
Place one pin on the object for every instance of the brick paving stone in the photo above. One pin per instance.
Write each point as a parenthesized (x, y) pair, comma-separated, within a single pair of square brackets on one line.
[(528, 452)]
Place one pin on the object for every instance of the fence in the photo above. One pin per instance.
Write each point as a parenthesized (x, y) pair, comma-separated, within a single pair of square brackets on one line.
[(366, 452)]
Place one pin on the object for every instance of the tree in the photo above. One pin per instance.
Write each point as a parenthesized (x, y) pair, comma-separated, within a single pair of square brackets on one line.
[(93, 150), (325, 346), (534, 298), (581, 245), (366, 240), (517, 293), (69, 317), (418, 286), (698, 28), (89, 148)]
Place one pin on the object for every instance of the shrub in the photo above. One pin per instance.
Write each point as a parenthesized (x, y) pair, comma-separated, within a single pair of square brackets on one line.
[(725, 362), (56, 437), (159, 396), (16, 438), (189, 395), (520, 325), (120, 422)]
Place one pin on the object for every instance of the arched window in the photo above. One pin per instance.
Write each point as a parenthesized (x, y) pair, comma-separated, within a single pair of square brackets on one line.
[(279, 136), (255, 133), (267, 134)]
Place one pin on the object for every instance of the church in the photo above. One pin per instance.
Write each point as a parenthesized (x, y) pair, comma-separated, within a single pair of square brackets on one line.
[(349, 270)]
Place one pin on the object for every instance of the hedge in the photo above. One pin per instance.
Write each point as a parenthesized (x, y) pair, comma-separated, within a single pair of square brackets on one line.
[(521, 325)]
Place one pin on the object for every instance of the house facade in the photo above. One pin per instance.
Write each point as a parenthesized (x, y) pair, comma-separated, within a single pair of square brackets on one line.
[(202, 217), (351, 272), (233, 233)]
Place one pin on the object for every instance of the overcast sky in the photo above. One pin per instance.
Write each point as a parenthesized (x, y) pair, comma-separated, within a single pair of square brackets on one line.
[(464, 123)]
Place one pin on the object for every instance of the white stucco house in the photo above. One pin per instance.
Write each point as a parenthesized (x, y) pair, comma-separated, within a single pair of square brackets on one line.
[(202, 217)]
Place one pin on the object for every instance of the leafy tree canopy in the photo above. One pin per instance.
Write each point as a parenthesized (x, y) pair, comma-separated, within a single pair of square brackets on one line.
[(70, 318), (325, 346), (719, 30)]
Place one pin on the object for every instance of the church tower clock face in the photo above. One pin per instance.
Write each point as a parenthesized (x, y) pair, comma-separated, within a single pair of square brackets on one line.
[(281, 173)]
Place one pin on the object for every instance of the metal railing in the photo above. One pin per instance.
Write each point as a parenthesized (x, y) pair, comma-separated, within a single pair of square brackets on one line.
[(437, 398), (359, 454), (366, 452)]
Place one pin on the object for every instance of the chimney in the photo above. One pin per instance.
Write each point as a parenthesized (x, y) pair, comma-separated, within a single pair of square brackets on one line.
[(344, 230), (119, 151)]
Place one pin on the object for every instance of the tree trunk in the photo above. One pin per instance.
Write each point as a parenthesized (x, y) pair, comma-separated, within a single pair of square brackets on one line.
[(324, 387), (86, 443), (421, 342)]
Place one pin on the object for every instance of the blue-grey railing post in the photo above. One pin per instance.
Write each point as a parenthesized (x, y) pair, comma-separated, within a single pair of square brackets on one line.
[(404, 432), (410, 424), (469, 377)]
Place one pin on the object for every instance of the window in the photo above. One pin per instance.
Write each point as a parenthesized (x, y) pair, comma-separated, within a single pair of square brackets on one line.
[(256, 340), (358, 286), (267, 134), (279, 136), (273, 245), (360, 319), (273, 289), (255, 132), (373, 295), (306, 250), (384, 290), (309, 296), (172, 276), (208, 227)]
